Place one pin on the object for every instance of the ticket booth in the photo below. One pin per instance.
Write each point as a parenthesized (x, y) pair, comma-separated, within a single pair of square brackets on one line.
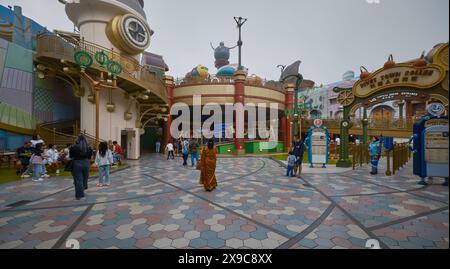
[(317, 144), (430, 145)]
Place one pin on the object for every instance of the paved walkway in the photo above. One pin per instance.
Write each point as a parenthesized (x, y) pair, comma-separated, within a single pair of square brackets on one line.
[(159, 204)]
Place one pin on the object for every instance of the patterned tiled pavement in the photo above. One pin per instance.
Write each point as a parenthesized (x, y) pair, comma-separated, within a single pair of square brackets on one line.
[(159, 204)]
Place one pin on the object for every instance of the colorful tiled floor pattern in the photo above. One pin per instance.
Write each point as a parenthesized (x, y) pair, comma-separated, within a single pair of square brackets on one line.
[(159, 204)]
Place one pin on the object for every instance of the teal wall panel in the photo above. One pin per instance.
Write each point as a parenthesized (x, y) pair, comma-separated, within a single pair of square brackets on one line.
[(19, 58), (2, 62)]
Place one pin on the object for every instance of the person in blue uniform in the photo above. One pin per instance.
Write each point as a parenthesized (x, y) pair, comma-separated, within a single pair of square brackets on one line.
[(375, 154)]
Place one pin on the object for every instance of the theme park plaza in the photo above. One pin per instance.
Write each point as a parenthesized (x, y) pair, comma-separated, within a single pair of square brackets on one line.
[(90, 156)]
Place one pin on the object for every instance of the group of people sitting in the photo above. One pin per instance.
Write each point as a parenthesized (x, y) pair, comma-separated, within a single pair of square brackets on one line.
[(36, 158)]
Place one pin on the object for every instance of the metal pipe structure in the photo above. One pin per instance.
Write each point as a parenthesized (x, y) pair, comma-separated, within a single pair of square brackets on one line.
[(240, 22)]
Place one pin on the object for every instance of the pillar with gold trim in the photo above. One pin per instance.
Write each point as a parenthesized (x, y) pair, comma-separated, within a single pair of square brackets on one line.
[(239, 98), (288, 116), (169, 82)]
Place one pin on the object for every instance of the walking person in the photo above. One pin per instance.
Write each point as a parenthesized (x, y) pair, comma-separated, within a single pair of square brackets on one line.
[(193, 148), (208, 162), (103, 160), (185, 151), (291, 160), (169, 150), (299, 148), (158, 146), (80, 154), (375, 154)]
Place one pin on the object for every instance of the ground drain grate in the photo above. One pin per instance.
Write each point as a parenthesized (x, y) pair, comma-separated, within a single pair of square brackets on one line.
[(19, 203)]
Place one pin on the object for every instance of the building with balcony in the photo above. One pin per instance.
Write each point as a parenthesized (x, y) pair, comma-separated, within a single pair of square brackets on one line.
[(58, 95)]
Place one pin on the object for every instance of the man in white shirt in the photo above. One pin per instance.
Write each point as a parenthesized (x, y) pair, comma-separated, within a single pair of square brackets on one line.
[(338, 141), (169, 149), (52, 157)]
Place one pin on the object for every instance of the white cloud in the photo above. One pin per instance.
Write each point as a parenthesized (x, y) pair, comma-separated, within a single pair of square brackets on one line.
[(373, 1)]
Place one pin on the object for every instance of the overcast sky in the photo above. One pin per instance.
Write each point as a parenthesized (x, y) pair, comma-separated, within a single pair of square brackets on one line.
[(328, 36)]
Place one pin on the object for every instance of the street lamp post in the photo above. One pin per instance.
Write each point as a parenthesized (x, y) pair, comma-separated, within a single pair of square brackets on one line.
[(240, 22), (85, 60), (297, 117)]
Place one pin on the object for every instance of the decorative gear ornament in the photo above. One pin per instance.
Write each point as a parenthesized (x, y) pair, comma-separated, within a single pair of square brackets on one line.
[(346, 98)]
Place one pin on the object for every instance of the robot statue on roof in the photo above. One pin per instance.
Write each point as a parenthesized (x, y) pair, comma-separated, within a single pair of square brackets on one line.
[(222, 54)]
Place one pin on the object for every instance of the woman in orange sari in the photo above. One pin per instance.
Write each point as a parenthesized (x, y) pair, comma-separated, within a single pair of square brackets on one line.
[(208, 167)]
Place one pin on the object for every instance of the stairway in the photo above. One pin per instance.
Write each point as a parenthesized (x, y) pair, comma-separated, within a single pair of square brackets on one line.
[(61, 133)]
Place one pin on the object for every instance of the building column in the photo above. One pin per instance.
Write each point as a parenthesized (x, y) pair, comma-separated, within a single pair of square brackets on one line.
[(169, 82), (289, 101), (400, 109), (346, 124), (365, 124), (409, 109), (239, 98)]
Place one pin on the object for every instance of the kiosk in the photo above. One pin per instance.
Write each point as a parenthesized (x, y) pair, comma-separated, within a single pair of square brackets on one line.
[(429, 145), (317, 143)]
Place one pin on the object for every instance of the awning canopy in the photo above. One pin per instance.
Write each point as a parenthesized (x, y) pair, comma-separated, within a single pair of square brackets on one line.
[(16, 120)]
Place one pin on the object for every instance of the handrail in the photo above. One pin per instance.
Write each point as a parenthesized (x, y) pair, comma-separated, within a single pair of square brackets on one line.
[(51, 45), (87, 44), (58, 136)]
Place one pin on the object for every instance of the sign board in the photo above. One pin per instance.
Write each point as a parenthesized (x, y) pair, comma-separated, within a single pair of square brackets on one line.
[(401, 75), (317, 143), (430, 144), (398, 95), (436, 147)]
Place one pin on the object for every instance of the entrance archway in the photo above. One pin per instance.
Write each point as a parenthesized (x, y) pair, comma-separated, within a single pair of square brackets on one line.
[(406, 82)]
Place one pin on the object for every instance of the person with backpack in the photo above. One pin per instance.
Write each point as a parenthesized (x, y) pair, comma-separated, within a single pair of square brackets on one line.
[(80, 154), (103, 160), (193, 148)]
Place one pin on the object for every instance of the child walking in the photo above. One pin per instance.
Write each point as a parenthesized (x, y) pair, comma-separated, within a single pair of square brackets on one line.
[(103, 161), (291, 160)]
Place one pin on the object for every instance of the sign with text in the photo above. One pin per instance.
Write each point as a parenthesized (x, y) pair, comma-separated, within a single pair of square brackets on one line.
[(400, 94), (402, 75)]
